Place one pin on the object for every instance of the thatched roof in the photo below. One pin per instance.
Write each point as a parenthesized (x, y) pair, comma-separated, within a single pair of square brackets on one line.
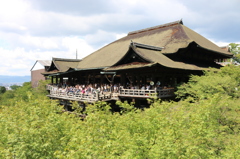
[(155, 57), (62, 65), (170, 36)]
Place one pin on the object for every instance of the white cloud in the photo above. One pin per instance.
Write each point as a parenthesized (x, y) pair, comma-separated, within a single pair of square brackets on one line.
[(39, 42), (100, 36), (12, 27), (19, 61), (33, 30), (223, 43), (74, 44), (15, 62), (13, 9), (118, 36)]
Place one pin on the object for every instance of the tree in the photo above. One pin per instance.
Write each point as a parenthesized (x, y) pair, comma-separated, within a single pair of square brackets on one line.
[(2, 89), (14, 87), (41, 88), (235, 49), (226, 82), (36, 127)]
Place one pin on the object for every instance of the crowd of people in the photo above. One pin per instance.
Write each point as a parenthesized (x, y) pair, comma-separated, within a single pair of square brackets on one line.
[(96, 88), (85, 89)]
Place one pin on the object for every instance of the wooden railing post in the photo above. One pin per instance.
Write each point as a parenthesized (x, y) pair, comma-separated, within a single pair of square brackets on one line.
[(155, 92), (98, 93)]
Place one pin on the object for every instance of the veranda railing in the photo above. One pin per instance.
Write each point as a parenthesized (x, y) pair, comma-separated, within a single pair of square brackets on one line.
[(89, 97), (92, 97), (162, 93)]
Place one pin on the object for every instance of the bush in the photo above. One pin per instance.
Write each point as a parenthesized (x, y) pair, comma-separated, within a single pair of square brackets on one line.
[(225, 81), (207, 127), (2, 89)]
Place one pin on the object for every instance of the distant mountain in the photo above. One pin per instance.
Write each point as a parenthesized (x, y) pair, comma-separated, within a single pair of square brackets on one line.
[(14, 79)]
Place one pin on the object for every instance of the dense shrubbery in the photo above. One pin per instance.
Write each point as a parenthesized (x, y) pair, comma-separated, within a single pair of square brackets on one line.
[(225, 82), (2, 89), (205, 124)]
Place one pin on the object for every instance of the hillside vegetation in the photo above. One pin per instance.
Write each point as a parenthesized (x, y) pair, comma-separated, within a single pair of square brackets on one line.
[(204, 123)]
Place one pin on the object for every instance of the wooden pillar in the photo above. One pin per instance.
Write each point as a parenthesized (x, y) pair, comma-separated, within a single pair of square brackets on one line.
[(144, 80), (94, 79), (101, 79), (80, 78), (134, 80), (61, 80), (154, 78), (70, 79), (56, 79), (138, 81), (84, 79), (74, 78), (162, 80), (52, 79), (123, 79)]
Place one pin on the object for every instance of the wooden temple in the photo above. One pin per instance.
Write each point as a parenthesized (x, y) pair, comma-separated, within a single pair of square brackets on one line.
[(146, 63)]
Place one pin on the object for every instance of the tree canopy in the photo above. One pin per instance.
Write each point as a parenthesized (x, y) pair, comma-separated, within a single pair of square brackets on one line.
[(204, 123), (14, 87), (235, 49), (2, 89)]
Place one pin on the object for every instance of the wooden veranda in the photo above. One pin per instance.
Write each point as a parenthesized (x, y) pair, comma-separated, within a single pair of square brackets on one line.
[(55, 93)]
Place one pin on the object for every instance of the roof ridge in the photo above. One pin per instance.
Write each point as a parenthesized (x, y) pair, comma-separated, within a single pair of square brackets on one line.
[(156, 27), (145, 46), (65, 59)]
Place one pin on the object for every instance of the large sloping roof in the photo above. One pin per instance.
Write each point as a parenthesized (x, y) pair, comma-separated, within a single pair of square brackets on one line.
[(170, 36), (155, 57), (64, 65)]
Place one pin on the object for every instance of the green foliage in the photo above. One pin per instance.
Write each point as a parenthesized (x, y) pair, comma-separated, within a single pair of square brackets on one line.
[(33, 126), (7, 98), (32, 129), (125, 107), (225, 81), (14, 87), (20, 93), (41, 89), (235, 49), (2, 89)]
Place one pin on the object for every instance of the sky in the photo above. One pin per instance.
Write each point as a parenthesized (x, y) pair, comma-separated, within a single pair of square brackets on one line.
[(33, 30)]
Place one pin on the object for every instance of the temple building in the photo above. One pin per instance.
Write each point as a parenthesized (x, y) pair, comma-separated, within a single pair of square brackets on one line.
[(157, 58), (39, 67)]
